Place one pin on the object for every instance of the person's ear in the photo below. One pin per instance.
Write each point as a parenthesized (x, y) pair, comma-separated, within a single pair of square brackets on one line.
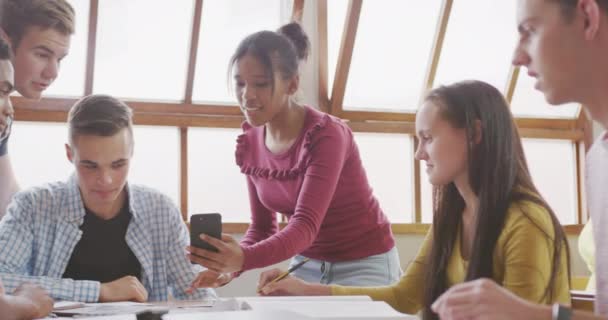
[(69, 153), (294, 84), (592, 15), (4, 36)]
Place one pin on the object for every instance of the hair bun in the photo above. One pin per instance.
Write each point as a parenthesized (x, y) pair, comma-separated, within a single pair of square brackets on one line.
[(294, 32)]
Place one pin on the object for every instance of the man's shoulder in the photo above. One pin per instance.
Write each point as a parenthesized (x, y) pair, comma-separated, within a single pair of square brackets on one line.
[(41, 203), (45, 192), (141, 191), (144, 197)]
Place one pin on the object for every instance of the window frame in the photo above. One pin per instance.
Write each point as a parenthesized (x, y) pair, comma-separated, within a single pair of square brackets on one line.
[(186, 114), (578, 130)]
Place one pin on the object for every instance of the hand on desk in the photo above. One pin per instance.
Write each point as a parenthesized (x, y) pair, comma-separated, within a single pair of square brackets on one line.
[(229, 258), (34, 300), (124, 289), (289, 286), (210, 279), (482, 299)]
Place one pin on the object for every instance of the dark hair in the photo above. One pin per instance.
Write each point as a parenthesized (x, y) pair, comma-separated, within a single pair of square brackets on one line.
[(277, 51), (568, 7), (98, 115), (500, 179), (5, 50), (17, 15)]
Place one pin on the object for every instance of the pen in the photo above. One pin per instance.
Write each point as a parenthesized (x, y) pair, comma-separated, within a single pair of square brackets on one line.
[(286, 273)]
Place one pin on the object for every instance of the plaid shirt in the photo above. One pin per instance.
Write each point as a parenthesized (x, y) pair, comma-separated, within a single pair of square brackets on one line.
[(42, 227)]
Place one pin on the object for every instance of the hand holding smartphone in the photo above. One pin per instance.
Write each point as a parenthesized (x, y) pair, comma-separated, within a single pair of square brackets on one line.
[(207, 223)]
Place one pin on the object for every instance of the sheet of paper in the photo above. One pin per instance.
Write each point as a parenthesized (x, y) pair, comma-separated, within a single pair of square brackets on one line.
[(306, 298), (226, 304), (118, 308), (334, 310), (108, 309), (251, 308), (240, 315), (187, 304), (65, 305), (119, 317)]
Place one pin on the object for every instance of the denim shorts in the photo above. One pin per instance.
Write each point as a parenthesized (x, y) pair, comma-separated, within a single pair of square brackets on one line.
[(377, 270)]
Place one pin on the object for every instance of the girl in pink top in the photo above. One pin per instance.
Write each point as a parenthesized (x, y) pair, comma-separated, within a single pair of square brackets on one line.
[(304, 164)]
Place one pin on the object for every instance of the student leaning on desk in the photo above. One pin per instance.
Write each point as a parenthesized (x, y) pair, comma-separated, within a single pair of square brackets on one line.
[(564, 45), (95, 237), (305, 164), (38, 32), (489, 219), (27, 301)]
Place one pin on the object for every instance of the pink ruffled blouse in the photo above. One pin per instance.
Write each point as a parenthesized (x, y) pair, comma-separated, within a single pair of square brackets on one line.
[(321, 186)]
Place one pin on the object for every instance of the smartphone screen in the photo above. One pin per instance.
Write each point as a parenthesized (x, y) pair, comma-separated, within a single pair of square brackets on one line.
[(207, 223)]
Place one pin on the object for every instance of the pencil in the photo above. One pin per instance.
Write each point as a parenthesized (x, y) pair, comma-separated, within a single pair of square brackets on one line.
[(286, 273)]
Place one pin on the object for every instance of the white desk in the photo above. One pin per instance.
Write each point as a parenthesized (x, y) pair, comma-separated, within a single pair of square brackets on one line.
[(269, 308)]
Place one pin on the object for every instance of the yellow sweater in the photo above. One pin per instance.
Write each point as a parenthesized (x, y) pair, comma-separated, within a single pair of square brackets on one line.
[(586, 248), (522, 264)]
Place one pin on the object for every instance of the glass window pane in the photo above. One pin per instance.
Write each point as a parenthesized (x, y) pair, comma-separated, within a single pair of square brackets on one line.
[(215, 182), (546, 158), (46, 162), (390, 54), (387, 159), (426, 195), (70, 81), (553, 168), (529, 102), (471, 52), (224, 24), (142, 48), (156, 159), (336, 14), (155, 147)]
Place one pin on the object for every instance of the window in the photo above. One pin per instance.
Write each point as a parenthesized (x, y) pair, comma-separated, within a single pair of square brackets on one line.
[(426, 195), (530, 102), (142, 48), (154, 163), (70, 81), (224, 24), (46, 162), (470, 51), (455, 48), (147, 51), (336, 15), (215, 181), (388, 164), (552, 164), (386, 70)]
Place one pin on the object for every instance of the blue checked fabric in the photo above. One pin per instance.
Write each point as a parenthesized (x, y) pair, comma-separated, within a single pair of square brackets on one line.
[(41, 229)]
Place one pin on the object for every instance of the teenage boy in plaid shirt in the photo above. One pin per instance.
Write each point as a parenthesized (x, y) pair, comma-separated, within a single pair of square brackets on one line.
[(95, 237)]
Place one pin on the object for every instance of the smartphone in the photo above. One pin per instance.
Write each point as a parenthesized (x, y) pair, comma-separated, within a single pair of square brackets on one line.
[(207, 223)]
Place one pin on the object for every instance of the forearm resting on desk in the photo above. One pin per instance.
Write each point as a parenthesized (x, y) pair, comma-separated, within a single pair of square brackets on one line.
[(14, 308), (27, 302)]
